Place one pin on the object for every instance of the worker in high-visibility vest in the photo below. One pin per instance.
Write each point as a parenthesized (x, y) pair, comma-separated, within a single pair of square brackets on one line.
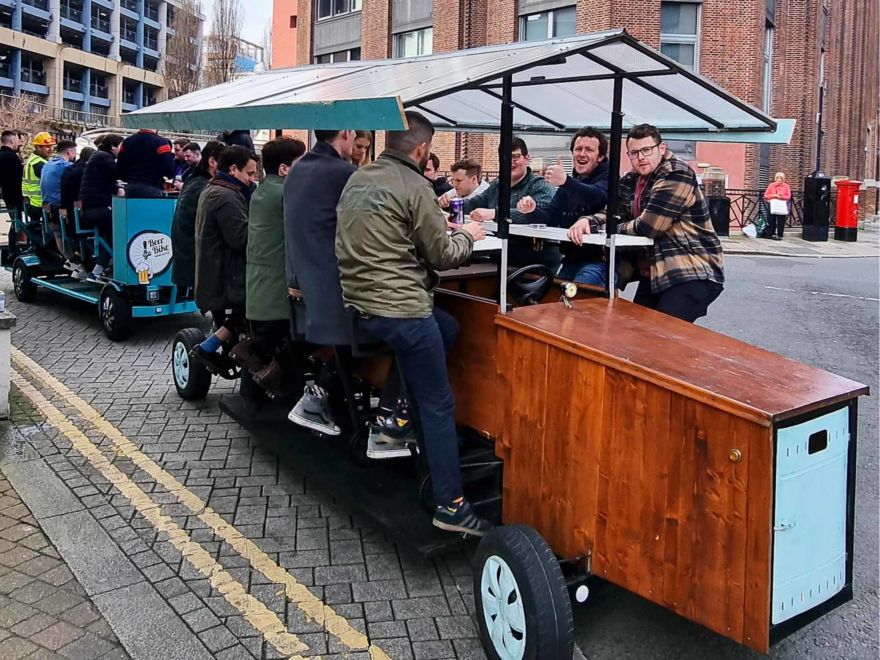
[(30, 185)]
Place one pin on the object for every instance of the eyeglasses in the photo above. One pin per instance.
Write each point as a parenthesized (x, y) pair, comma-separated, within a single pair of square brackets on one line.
[(644, 151), (516, 157)]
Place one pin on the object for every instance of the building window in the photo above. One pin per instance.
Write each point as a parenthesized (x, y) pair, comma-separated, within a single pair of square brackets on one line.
[(352, 55), (5, 63), (98, 86), (293, 22), (130, 5), (39, 4), (151, 38), (548, 24), (767, 96), (330, 8), (680, 33), (32, 70), (414, 43), (72, 80), (128, 28), (72, 10), (100, 18)]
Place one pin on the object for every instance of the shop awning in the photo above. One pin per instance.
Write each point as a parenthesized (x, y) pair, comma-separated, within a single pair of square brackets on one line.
[(557, 86)]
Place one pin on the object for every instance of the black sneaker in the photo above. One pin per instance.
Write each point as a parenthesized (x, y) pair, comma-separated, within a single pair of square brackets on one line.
[(214, 362), (398, 426), (460, 517)]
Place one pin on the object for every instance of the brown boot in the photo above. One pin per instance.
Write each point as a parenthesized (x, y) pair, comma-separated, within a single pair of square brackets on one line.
[(244, 354), (271, 379)]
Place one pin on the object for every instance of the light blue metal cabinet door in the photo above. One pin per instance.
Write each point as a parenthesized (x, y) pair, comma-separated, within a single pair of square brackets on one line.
[(809, 528)]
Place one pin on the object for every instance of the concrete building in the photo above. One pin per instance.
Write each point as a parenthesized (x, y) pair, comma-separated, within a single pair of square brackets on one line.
[(774, 54), (240, 57), (94, 59), (284, 30)]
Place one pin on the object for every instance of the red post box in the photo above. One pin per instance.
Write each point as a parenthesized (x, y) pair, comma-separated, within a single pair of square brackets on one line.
[(847, 223)]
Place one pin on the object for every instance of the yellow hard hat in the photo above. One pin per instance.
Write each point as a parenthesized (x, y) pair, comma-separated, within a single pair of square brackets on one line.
[(43, 139)]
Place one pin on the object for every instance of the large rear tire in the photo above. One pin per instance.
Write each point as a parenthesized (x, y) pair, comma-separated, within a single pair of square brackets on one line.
[(191, 379), (22, 274), (114, 310), (523, 607)]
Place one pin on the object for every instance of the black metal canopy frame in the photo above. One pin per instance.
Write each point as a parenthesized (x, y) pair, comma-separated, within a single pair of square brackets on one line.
[(618, 75)]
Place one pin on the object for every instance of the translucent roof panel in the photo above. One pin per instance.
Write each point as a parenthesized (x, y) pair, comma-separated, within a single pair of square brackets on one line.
[(557, 86)]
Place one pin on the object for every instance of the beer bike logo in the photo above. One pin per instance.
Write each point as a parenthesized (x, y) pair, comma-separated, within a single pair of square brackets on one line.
[(149, 254)]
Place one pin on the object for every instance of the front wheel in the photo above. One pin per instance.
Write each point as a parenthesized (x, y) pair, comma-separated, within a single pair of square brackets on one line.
[(25, 289), (523, 608), (191, 379), (115, 312)]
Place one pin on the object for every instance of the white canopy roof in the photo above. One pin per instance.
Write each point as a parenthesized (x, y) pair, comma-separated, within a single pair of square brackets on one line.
[(558, 86)]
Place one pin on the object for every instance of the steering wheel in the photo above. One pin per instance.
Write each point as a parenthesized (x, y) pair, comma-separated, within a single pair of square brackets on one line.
[(528, 285)]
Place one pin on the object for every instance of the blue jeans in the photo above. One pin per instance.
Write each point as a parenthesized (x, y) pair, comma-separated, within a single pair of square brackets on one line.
[(585, 272), (420, 346)]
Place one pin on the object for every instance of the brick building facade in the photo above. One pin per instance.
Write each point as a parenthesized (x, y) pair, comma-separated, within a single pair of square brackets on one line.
[(772, 54)]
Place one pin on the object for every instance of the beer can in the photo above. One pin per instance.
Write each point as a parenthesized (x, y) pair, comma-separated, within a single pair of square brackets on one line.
[(456, 208)]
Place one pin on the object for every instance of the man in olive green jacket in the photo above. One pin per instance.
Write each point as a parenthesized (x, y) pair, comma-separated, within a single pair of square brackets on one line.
[(390, 239), (266, 281)]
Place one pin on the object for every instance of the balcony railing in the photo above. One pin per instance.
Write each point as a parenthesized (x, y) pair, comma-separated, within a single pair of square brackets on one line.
[(73, 85), (78, 117), (33, 76)]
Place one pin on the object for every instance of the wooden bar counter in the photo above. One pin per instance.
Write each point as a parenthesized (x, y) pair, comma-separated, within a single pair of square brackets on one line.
[(682, 465)]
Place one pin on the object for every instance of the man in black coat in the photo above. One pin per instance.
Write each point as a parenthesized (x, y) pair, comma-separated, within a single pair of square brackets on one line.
[(311, 191), (221, 241), (11, 171), (96, 198), (582, 193), (144, 162), (183, 225), (440, 184)]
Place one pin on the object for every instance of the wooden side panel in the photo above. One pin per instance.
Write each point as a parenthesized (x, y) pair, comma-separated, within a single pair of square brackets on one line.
[(472, 363), (760, 539), (572, 439), (523, 365), (672, 507)]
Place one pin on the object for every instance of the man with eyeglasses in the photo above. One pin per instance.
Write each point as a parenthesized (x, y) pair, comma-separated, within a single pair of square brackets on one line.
[(523, 183), (660, 198)]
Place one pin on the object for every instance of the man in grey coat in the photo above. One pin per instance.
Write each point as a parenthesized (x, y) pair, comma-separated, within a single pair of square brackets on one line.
[(311, 192)]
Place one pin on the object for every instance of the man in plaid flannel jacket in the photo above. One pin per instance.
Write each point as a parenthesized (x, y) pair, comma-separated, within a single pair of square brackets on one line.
[(683, 272)]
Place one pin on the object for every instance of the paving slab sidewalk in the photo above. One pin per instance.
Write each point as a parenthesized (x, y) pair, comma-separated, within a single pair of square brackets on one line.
[(792, 245), (44, 611)]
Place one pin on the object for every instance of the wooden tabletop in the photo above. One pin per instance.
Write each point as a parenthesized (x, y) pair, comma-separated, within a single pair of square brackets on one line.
[(748, 381)]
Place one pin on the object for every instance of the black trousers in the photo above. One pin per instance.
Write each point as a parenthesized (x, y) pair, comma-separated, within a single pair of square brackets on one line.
[(687, 301), (776, 225)]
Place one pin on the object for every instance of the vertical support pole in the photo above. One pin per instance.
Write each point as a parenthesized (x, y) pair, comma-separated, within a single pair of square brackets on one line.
[(502, 212), (614, 156), (612, 217)]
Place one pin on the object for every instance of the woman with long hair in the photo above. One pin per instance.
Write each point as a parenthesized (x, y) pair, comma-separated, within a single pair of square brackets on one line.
[(360, 152)]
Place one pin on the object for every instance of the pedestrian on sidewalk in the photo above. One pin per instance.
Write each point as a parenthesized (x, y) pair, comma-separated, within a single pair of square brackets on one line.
[(778, 195)]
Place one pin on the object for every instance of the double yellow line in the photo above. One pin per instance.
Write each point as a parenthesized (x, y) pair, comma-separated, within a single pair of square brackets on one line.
[(255, 612)]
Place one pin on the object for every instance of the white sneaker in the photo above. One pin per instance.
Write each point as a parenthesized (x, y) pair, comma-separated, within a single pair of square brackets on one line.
[(80, 274), (380, 449), (312, 411)]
